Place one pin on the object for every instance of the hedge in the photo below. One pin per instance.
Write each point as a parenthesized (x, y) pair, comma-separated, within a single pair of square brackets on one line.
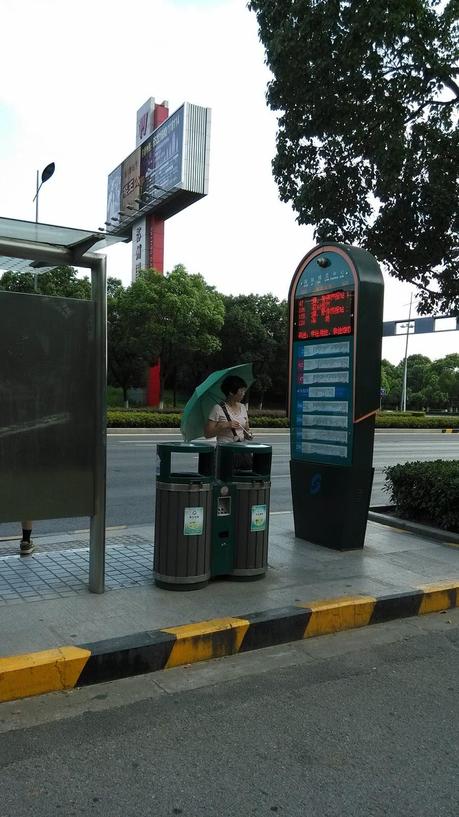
[(146, 418), (132, 418), (141, 419), (413, 421), (426, 492)]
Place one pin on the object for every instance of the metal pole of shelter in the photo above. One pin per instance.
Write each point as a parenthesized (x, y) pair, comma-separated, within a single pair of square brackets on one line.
[(97, 534)]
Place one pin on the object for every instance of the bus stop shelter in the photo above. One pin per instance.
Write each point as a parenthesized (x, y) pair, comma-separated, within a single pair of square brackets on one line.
[(53, 367)]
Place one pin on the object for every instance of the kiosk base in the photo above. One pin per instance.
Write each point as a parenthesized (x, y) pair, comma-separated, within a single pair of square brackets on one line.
[(330, 504)]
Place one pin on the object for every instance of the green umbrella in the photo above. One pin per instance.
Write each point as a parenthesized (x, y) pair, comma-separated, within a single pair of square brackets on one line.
[(205, 396)]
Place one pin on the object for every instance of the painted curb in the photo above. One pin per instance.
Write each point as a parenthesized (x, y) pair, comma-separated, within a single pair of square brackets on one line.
[(150, 651), (450, 431), (439, 534)]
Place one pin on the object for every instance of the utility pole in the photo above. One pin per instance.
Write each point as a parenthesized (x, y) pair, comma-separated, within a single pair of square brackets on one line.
[(406, 357)]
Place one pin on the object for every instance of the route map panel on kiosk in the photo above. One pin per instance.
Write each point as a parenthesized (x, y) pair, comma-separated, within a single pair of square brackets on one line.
[(335, 310)]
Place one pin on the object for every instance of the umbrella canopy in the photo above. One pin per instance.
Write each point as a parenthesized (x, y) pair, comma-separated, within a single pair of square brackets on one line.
[(205, 396)]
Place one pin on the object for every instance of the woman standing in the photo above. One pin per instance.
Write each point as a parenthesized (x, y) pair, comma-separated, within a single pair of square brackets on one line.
[(228, 421)]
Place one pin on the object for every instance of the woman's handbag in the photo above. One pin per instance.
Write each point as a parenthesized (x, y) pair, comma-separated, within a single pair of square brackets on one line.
[(247, 434), (242, 461)]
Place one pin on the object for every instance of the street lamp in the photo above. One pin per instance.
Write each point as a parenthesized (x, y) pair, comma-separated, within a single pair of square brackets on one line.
[(46, 174)]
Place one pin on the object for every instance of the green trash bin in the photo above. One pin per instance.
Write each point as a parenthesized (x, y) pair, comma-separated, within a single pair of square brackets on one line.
[(241, 500), (185, 477)]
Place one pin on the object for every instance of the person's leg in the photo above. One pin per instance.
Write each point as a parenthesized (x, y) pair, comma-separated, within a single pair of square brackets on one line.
[(27, 545)]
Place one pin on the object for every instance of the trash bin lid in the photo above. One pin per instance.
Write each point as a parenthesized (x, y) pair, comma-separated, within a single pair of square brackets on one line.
[(187, 448)]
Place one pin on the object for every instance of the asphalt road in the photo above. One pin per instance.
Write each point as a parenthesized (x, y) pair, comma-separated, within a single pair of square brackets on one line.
[(132, 461), (358, 724)]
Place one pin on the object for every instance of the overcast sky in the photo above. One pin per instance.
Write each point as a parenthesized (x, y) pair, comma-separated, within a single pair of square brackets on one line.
[(74, 75)]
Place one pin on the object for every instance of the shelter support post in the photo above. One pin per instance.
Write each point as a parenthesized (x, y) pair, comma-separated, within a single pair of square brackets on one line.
[(97, 522)]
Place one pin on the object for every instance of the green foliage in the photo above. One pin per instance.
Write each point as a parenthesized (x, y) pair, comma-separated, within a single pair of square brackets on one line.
[(114, 396), (151, 418), (172, 317), (141, 419), (186, 316), (399, 420), (430, 384), (268, 421), (255, 330), (426, 492), (368, 146), (60, 281)]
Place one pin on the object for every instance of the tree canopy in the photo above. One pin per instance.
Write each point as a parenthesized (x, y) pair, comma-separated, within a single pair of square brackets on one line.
[(255, 330), (430, 384), (171, 317), (367, 142), (62, 281)]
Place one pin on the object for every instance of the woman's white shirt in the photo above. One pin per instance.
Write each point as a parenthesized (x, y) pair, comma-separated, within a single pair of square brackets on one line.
[(238, 413)]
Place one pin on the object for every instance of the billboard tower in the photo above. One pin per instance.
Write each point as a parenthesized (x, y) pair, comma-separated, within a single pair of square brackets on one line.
[(167, 171)]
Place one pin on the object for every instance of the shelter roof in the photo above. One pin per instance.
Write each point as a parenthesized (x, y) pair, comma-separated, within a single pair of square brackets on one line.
[(33, 233)]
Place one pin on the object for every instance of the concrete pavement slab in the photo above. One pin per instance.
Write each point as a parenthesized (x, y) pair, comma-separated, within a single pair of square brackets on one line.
[(45, 603)]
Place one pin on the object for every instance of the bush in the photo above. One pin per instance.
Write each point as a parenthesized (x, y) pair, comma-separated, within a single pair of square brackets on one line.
[(130, 418), (114, 396), (165, 418), (426, 492), (262, 421), (398, 420), (144, 418)]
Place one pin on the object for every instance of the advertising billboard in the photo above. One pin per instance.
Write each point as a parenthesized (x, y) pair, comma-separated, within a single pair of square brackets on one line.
[(167, 172), (162, 156)]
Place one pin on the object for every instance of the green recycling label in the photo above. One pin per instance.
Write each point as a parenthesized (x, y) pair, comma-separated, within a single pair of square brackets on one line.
[(193, 521), (258, 518)]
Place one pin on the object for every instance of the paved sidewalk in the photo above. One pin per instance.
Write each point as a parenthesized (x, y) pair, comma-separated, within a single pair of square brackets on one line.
[(44, 601)]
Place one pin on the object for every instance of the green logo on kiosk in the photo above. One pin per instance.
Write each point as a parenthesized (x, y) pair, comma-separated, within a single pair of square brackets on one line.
[(193, 521), (258, 518)]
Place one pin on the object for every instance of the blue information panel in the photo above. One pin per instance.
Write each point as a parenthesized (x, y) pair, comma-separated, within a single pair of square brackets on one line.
[(322, 407)]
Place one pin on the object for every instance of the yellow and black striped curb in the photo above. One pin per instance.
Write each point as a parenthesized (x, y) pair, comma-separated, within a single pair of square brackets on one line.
[(450, 431), (68, 667)]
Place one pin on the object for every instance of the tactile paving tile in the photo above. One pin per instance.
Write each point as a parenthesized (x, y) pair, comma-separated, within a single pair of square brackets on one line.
[(62, 573)]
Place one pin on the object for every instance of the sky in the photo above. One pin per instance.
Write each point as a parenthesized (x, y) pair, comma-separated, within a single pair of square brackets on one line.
[(74, 75)]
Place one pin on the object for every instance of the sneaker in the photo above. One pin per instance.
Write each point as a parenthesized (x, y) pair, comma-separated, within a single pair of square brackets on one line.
[(26, 547)]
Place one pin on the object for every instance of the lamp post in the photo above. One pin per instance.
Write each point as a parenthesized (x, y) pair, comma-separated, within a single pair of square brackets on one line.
[(46, 174)]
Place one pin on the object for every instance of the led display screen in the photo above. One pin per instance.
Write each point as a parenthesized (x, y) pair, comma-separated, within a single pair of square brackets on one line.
[(324, 316)]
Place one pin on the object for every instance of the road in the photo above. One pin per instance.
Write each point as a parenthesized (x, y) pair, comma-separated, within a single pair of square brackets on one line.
[(132, 460), (358, 724)]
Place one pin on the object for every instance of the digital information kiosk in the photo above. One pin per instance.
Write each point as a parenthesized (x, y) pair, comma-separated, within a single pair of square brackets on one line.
[(335, 330)]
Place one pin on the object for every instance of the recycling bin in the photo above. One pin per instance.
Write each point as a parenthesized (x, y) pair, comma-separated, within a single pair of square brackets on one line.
[(185, 477), (241, 511)]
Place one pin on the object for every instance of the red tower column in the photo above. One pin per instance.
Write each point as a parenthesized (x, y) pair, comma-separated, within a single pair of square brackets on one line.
[(155, 227)]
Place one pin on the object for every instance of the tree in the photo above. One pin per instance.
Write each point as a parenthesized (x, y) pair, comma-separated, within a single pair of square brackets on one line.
[(129, 336), (391, 382), (367, 142), (255, 330), (62, 281), (187, 315), (174, 317), (447, 370)]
